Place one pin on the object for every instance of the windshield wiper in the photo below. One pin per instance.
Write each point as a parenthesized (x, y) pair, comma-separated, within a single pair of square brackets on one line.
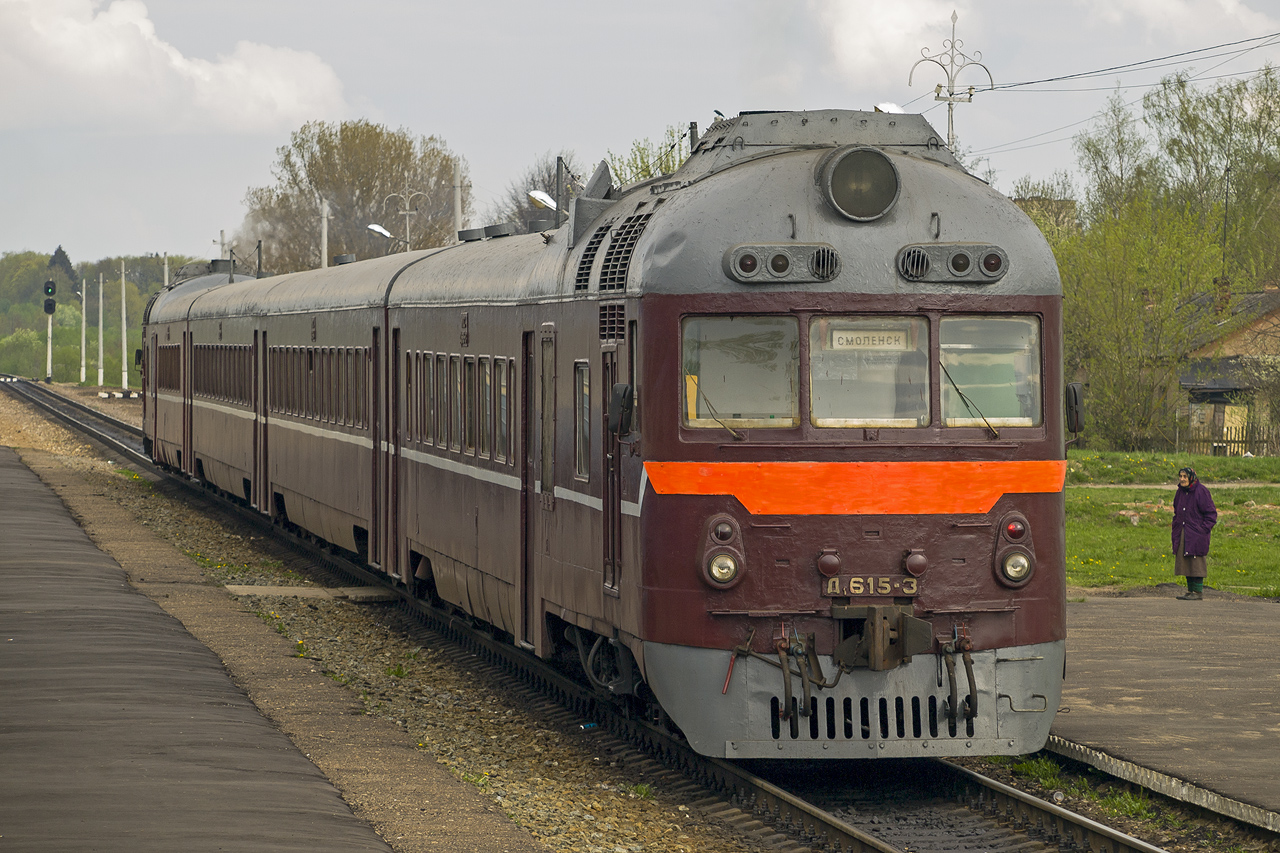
[(968, 404), (715, 416)]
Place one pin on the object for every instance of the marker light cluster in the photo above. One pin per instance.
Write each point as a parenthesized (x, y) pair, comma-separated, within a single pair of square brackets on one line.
[(952, 263), (1015, 560), (781, 263)]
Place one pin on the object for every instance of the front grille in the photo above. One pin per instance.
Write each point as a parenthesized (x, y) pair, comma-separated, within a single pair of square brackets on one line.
[(880, 718)]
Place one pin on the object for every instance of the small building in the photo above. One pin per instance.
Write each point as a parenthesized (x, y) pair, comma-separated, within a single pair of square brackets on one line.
[(1227, 410)]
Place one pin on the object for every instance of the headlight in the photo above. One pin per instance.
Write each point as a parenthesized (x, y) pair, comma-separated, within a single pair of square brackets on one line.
[(723, 568), (861, 183), (1016, 567)]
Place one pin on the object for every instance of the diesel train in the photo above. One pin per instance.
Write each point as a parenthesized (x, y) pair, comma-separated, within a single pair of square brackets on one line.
[(772, 445)]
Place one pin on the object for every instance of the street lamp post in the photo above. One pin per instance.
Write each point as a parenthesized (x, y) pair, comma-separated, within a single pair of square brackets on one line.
[(951, 53), (406, 199)]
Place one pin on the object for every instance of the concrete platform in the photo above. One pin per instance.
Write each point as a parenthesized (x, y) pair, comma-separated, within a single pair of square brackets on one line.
[(118, 730), (1180, 696)]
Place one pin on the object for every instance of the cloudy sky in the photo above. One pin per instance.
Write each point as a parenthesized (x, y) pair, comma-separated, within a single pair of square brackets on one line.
[(133, 126)]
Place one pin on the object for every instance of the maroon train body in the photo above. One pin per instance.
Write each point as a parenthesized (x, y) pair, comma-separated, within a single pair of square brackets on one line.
[(774, 443)]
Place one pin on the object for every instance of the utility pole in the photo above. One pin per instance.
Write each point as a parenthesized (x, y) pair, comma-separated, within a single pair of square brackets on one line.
[(457, 197), (951, 53), (100, 367), (124, 337), (324, 233), (84, 304)]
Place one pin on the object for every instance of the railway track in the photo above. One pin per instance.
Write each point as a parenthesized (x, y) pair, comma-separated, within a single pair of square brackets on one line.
[(780, 806)]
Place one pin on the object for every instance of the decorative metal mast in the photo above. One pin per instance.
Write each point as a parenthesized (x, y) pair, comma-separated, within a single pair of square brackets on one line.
[(952, 60)]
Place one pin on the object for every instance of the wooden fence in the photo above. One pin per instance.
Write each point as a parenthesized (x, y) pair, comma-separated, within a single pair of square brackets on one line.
[(1230, 441)]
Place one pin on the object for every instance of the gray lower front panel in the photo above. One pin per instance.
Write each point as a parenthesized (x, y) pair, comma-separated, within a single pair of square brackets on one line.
[(893, 714)]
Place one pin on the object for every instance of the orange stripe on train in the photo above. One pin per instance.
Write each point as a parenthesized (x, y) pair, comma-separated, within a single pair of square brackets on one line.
[(859, 488)]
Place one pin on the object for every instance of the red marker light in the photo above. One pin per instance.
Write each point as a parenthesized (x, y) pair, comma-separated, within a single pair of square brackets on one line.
[(1015, 530), (992, 263), (748, 263)]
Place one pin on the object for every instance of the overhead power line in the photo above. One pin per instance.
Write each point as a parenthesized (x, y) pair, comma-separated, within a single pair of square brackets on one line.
[(1141, 64)]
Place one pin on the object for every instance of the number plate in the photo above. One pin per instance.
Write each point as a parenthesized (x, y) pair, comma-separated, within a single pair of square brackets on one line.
[(845, 586)]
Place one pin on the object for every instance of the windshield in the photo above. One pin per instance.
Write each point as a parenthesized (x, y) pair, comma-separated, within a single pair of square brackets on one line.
[(869, 372), (991, 371), (741, 371)]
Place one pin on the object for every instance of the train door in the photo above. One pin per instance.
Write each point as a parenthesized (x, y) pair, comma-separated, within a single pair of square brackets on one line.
[(188, 407), (526, 492), (375, 432), (153, 386), (261, 408), (611, 465), (391, 538)]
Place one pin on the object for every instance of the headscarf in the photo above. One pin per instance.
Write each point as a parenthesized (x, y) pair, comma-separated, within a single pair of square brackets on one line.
[(1191, 475)]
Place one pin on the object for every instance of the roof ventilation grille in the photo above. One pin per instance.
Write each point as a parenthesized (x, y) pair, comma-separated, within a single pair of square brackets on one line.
[(583, 279), (617, 258)]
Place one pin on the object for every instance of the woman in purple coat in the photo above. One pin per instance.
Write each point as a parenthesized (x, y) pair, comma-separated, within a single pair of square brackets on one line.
[(1194, 515)]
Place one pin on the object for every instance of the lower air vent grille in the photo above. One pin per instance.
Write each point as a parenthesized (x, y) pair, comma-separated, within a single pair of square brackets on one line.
[(883, 718)]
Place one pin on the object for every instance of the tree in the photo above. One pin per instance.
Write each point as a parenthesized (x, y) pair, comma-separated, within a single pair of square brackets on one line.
[(648, 159), (1139, 298), (1221, 155), (368, 174), (1051, 205), (59, 262), (516, 208), (1115, 160)]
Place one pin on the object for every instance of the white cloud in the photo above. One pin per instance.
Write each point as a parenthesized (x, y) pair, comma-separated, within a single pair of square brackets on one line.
[(1193, 20), (869, 39), (74, 63)]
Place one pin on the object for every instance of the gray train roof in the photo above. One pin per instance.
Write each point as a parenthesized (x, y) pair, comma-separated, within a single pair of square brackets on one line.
[(751, 179)]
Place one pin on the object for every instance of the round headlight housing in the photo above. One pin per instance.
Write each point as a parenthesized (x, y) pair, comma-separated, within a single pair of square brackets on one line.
[(722, 568), (1016, 567), (861, 183)]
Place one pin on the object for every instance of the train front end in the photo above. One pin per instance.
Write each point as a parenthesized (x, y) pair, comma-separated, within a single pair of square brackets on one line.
[(852, 511)]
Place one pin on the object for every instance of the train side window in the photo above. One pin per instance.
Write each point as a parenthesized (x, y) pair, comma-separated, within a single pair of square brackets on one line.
[(500, 409), (456, 399), (582, 418), (469, 409), (442, 400), (508, 416), (409, 404), (330, 386), (869, 372), (991, 371), (633, 369), (361, 387), (740, 372), (299, 389), (548, 415), (424, 396), (322, 382), (484, 417)]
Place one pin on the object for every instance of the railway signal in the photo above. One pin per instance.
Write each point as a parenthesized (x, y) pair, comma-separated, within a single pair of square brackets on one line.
[(50, 288)]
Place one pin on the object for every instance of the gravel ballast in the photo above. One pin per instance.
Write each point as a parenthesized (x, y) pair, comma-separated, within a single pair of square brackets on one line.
[(432, 753)]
